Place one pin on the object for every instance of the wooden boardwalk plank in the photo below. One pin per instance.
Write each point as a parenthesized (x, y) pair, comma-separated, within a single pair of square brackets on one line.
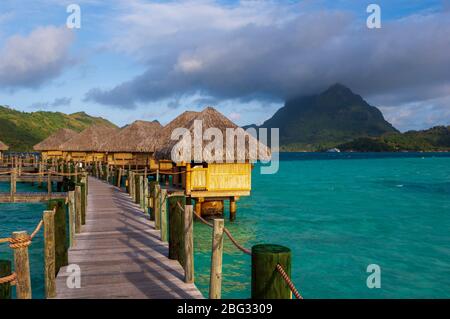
[(120, 254)]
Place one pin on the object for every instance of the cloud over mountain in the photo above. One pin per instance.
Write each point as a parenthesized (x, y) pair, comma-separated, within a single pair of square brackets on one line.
[(265, 50)]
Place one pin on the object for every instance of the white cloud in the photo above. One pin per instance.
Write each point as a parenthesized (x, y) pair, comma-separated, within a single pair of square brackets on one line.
[(29, 61), (256, 48)]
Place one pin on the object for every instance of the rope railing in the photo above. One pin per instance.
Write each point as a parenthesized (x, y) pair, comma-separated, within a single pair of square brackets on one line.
[(15, 243), (54, 173), (225, 230), (22, 242), (11, 279), (288, 281)]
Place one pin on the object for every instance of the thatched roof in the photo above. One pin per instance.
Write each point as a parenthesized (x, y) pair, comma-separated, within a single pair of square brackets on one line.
[(3, 146), (210, 118), (53, 142), (90, 140), (138, 137)]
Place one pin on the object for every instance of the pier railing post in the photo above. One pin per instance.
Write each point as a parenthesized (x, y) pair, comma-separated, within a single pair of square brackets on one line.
[(163, 209), (267, 283), (49, 253), (215, 283), (188, 244), (5, 270), (84, 188), (176, 229), (157, 206), (152, 199), (71, 199), (78, 209), (146, 198), (132, 185), (22, 267), (61, 255), (119, 177), (137, 189), (141, 192)]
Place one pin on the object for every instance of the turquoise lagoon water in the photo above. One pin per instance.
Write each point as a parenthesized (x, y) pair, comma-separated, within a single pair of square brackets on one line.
[(338, 213), (24, 216)]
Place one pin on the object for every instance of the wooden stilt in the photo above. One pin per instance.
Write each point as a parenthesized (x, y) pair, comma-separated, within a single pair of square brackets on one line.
[(232, 208)]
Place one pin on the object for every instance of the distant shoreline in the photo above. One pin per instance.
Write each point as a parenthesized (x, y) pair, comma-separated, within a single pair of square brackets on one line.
[(301, 151)]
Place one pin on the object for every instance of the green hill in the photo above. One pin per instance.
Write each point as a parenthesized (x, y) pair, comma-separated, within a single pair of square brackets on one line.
[(21, 130), (320, 121), (433, 139)]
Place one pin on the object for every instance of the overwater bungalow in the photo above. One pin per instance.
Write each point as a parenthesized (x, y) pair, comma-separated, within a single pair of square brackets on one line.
[(211, 181), (87, 146), (133, 145), (3, 147), (49, 148)]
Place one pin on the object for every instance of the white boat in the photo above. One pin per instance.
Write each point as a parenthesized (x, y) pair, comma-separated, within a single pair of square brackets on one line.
[(334, 150)]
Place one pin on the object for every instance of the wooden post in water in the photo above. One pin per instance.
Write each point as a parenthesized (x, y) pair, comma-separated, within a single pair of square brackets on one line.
[(215, 281), (267, 283), (49, 183), (49, 253), (71, 197), (78, 209), (157, 206), (41, 170), (61, 255), (232, 208), (5, 270), (163, 208), (188, 244), (22, 267), (13, 187)]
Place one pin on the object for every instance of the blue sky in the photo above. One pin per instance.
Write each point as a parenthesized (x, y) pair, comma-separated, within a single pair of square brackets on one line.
[(148, 60)]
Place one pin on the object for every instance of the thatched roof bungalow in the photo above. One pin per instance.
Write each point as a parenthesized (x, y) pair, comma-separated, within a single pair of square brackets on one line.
[(49, 147), (210, 118), (221, 172), (3, 147), (133, 144), (87, 146)]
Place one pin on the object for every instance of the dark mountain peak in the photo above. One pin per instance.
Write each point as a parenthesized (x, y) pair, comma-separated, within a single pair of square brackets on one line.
[(338, 88), (339, 94), (324, 120)]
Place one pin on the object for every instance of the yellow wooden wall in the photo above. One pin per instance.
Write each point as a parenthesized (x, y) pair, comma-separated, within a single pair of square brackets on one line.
[(222, 177)]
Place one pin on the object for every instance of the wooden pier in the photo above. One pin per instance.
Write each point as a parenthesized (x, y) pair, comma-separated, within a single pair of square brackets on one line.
[(31, 178), (120, 253), (30, 197)]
